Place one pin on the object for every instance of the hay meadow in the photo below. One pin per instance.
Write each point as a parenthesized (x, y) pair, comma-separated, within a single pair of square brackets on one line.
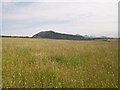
[(47, 63)]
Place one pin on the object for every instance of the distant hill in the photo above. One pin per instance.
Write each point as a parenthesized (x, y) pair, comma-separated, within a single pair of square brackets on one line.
[(55, 35)]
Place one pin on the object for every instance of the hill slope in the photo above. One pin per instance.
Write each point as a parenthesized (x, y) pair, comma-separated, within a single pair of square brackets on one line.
[(55, 35)]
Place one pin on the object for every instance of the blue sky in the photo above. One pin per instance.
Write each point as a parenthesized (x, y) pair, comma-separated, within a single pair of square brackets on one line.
[(95, 17)]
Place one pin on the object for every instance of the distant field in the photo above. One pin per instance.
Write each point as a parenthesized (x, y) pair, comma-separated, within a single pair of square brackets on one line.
[(45, 63)]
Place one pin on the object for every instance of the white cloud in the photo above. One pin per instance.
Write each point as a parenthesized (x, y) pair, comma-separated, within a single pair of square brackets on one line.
[(94, 18), (60, 0)]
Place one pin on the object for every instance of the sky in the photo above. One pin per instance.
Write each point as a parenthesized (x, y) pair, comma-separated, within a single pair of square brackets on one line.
[(84, 17)]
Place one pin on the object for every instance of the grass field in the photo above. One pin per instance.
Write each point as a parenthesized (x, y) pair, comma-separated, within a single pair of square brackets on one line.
[(45, 63)]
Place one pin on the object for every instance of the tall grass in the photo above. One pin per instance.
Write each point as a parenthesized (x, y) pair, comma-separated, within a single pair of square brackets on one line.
[(0, 63), (45, 63)]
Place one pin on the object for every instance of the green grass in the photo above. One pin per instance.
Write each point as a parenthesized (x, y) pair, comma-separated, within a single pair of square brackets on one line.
[(45, 63)]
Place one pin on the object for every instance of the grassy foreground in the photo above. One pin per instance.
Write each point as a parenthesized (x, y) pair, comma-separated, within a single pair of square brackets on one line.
[(45, 63)]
